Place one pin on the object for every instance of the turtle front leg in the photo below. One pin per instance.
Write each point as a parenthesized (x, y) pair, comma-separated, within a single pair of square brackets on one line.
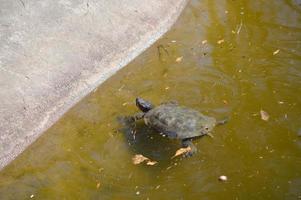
[(137, 116), (188, 143), (127, 120)]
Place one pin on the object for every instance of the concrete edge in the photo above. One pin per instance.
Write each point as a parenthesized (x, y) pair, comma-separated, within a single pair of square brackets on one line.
[(64, 105)]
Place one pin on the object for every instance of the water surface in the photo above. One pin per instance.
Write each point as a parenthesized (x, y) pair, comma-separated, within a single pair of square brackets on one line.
[(223, 58)]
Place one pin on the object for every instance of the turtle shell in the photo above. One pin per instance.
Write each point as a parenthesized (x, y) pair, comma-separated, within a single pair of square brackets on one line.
[(179, 122)]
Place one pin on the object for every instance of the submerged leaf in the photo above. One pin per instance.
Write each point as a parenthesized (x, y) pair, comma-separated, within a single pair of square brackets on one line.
[(181, 151), (264, 115)]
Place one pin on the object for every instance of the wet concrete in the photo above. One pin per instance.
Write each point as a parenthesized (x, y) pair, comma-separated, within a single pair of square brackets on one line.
[(54, 53)]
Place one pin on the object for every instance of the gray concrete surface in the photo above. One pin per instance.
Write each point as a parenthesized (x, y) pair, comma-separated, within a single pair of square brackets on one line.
[(53, 53)]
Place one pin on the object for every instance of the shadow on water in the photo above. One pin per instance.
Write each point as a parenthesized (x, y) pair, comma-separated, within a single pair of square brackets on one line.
[(146, 141)]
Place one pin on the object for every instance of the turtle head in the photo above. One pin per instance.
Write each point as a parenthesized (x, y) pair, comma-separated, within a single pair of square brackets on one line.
[(143, 105)]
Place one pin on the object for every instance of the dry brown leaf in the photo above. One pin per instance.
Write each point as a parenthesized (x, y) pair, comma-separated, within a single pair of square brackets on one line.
[(264, 115), (139, 158), (204, 41), (181, 151), (220, 41), (151, 162), (179, 59), (276, 52), (223, 178)]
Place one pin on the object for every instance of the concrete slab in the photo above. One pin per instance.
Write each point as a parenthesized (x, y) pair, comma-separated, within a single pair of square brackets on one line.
[(53, 53)]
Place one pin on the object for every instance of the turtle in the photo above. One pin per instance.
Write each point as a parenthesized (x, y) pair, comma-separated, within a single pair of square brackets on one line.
[(176, 122)]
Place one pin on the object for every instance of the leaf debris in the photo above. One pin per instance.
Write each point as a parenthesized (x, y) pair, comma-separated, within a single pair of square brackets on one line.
[(204, 41), (276, 52), (139, 158), (220, 41), (264, 115), (181, 151), (223, 178), (179, 59), (151, 162), (239, 28)]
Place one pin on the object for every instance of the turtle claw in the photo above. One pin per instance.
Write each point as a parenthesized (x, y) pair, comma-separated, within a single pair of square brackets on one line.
[(189, 154), (193, 149)]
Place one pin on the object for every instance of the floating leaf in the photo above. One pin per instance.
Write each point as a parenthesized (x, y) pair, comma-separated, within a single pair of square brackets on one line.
[(223, 178), (204, 41), (264, 115), (181, 151), (276, 52), (151, 162), (98, 185), (139, 158), (220, 41), (179, 59)]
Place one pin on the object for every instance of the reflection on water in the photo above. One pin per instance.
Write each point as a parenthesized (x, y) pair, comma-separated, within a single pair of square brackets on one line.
[(238, 57)]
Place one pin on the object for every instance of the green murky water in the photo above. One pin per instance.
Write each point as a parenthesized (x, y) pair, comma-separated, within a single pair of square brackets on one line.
[(239, 57)]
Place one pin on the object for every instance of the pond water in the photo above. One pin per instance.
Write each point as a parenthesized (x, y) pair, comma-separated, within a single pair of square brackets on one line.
[(223, 58)]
